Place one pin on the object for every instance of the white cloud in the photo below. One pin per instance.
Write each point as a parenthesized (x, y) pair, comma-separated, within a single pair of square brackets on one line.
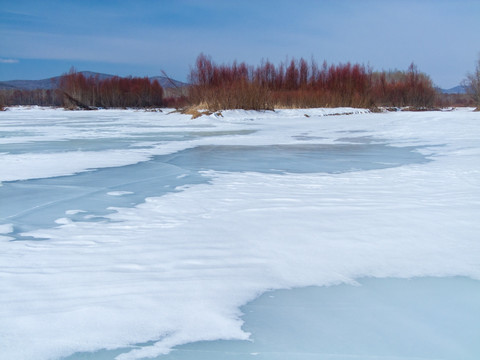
[(8, 61)]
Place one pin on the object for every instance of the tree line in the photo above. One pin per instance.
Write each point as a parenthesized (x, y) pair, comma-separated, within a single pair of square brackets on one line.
[(76, 90), (294, 84), (302, 84)]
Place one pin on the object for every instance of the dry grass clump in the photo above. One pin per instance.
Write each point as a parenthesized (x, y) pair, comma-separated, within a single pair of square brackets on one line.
[(195, 111)]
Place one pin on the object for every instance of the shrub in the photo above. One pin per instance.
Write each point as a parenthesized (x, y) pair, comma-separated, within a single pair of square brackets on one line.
[(216, 87), (398, 88), (453, 100)]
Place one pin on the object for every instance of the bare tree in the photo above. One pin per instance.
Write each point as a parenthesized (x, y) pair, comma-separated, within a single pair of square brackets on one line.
[(472, 84)]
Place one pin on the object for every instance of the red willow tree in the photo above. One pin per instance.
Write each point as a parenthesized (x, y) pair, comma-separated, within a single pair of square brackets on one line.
[(302, 85), (233, 86), (88, 92)]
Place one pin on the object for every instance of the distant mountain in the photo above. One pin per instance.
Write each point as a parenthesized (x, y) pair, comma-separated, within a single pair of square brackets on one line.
[(53, 82), (454, 90), (168, 82), (47, 84)]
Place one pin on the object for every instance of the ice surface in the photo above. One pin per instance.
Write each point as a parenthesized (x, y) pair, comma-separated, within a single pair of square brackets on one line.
[(201, 234), (390, 319), (36, 203), (421, 318), (295, 158)]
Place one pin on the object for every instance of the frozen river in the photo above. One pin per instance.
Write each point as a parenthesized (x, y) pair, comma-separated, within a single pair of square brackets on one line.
[(126, 234)]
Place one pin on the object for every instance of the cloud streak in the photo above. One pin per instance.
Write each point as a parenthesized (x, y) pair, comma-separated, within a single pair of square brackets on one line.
[(8, 61)]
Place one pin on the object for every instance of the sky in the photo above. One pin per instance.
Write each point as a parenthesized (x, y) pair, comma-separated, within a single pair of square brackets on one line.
[(41, 39)]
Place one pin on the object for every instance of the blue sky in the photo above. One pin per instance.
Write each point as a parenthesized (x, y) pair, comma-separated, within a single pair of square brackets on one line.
[(39, 39)]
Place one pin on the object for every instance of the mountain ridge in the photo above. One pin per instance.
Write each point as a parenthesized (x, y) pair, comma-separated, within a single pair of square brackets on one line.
[(459, 89), (53, 82)]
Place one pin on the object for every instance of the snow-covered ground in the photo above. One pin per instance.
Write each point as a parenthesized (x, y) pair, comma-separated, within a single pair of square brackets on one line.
[(184, 221)]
